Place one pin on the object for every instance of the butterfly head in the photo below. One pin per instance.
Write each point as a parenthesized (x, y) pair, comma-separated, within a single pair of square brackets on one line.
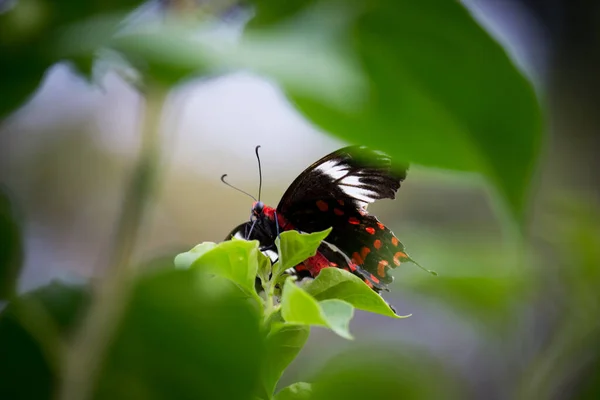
[(257, 208)]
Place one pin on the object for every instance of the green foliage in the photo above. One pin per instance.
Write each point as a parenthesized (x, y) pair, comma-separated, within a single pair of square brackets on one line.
[(299, 307), (11, 251), (32, 332), (297, 391), (184, 335), (29, 35), (334, 283), (295, 248), (283, 343)]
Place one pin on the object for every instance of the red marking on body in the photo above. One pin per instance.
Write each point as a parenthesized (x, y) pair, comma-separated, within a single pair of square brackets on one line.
[(381, 268), (370, 230), (301, 267), (380, 225), (357, 259), (353, 221), (369, 284), (332, 264), (377, 244), (374, 279), (321, 205), (347, 269), (352, 267), (394, 241), (341, 202), (269, 212), (364, 252), (337, 211)]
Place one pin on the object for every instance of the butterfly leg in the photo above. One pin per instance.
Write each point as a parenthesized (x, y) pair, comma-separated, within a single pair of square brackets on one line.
[(276, 223)]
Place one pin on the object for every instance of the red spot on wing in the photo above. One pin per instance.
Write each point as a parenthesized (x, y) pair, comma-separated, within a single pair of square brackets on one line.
[(301, 267), (323, 206), (364, 252), (357, 259), (374, 278), (369, 284), (377, 244), (380, 225), (353, 221), (394, 241), (381, 268), (352, 266), (398, 256), (370, 230), (341, 202), (337, 211)]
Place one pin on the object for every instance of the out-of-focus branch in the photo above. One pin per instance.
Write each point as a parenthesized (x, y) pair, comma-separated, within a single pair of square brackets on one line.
[(85, 356)]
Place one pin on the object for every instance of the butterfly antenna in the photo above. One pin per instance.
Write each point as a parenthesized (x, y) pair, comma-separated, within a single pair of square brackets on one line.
[(233, 187), (423, 268), (259, 172)]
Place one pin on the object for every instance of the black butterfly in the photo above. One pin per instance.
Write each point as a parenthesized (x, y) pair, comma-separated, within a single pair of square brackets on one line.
[(335, 192)]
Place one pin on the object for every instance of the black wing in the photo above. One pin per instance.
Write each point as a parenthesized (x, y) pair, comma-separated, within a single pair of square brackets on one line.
[(355, 174), (335, 192)]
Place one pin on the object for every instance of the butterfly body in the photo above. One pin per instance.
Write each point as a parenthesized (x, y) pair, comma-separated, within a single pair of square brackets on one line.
[(334, 192)]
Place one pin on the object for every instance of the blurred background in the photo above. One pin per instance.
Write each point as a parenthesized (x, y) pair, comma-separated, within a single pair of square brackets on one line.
[(507, 318)]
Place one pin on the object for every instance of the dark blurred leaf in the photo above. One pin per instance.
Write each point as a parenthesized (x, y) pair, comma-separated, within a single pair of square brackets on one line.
[(442, 92), (295, 247), (11, 249), (335, 283), (28, 35), (284, 342), (383, 374), (299, 307), (296, 391), (33, 329), (184, 336)]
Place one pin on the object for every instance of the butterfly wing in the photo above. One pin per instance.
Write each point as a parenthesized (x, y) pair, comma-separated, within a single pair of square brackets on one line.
[(335, 192)]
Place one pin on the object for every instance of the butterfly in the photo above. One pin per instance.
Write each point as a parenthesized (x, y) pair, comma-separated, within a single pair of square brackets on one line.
[(335, 192)]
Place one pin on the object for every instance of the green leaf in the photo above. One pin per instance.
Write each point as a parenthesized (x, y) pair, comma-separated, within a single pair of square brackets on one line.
[(236, 260), (283, 344), (33, 329), (335, 283), (185, 260), (382, 374), (338, 314), (11, 249), (296, 391), (29, 36), (441, 93), (178, 339), (299, 307), (295, 247)]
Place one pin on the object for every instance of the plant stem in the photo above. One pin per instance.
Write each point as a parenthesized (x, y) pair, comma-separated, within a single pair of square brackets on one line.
[(85, 357)]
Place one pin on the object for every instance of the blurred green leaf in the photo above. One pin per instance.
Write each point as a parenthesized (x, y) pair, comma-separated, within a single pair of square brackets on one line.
[(236, 260), (335, 283), (29, 32), (283, 344), (33, 328), (383, 374), (295, 247), (296, 391), (299, 307), (442, 92), (181, 338), (11, 249)]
